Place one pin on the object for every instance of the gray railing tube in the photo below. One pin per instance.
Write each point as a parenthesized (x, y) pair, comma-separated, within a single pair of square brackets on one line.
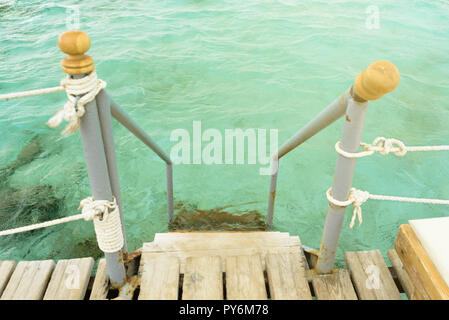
[(344, 173), (121, 116), (332, 112), (97, 168), (75, 43), (378, 79), (104, 113)]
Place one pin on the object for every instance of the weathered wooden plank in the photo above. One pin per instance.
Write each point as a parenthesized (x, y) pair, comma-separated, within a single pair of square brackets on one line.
[(211, 244), (203, 279), (286, 277), (334, 286), (100, 287), (29, 280), (160, 278), (433, 235), (6, 269), (371, 277), (245, 278), (223, 253), (427, 281), (70, 279), (403, 277)]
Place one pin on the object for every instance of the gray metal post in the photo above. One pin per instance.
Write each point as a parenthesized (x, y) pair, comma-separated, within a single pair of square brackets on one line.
[(99, 180), (344, 173), (104, 113), (75, 43), (378, 79), (121, 116), (327, 116)]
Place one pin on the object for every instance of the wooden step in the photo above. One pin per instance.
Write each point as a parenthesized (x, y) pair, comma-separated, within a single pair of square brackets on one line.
[(69, 279), (6, 270), (371, 277), (286, 276), (160, 278), (29, 280), (203, 279), (334, 286), (244, 278)]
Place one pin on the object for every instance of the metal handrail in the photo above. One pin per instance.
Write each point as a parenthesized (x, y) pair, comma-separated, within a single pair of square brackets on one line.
[(380, 78), (121, 116), (330, 114)]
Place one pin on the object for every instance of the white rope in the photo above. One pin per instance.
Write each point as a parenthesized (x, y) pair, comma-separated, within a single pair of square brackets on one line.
[(86, 215), (108, 227), (385, 146), (87, 87), (358, 197), (107, 223), (36, 92)]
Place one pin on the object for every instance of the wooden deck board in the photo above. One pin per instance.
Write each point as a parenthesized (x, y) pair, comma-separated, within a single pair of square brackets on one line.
[(6, 270), (286, 277), (100, 288), (203, 279), (370, 275), (231, 248), (427, 281), (335, 286), (245, 278), (403, 276), (70, 279), (160, 278), (29, 280)]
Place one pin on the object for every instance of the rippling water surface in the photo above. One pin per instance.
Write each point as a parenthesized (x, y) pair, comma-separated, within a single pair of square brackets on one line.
[(229, 64)]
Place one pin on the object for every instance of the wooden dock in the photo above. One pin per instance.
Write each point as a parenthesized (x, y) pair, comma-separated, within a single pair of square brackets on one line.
[(213, 265)]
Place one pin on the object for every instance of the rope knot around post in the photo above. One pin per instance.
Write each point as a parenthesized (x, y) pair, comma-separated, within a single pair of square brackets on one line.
[(108, 227), (80, 89), (79, 93), (356, 198), (384, 146)]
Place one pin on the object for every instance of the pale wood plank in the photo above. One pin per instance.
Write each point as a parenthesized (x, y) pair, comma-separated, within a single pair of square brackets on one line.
[(6, 269), (286, 277), (403, 277), (427, 281), (211, 243), (203, 279), (334, 286), (293, 244), (433, 235), (29, 280), (160, 278), (370, 275), (70, 279), (100, 287), (244, 278)]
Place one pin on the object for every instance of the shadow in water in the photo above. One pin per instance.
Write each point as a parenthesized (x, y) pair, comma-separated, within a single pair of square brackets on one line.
[(189, 218)]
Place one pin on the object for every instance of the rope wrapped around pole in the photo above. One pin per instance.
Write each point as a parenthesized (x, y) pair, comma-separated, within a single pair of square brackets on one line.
[(106, 217), (79, 93), (358, 197), (385, 146), (108, 226)]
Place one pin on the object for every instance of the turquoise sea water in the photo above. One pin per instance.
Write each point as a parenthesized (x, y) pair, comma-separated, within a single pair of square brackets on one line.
[(229, 64)]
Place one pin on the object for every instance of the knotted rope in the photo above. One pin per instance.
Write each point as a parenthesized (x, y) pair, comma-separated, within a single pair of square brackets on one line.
[(358, 197), (106, 217), (79, 93), (108, 227), (385, 146)]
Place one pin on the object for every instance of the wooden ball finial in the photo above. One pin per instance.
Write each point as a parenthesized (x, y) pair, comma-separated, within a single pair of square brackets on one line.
[(75, 43), (380, 78)]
